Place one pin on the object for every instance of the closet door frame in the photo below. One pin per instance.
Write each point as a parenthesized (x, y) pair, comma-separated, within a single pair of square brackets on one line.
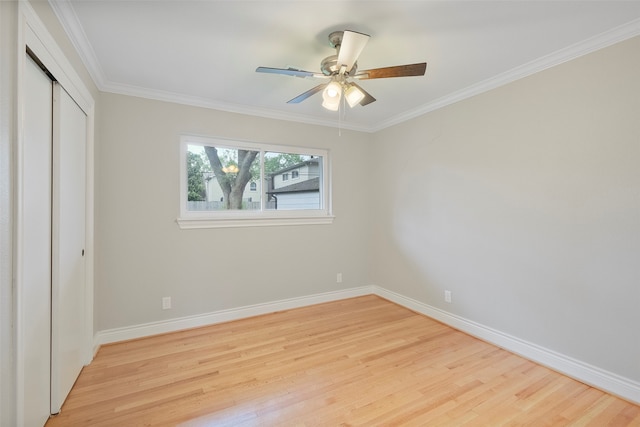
[(33, 36)]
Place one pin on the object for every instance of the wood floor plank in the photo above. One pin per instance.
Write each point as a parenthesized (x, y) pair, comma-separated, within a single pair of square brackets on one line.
[(361, 361)]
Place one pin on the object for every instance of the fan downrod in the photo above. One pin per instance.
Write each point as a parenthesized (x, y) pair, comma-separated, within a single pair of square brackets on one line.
[(329, 65), (335, 39)]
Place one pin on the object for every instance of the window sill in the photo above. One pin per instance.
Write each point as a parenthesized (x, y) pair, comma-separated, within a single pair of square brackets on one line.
[(252, 221)]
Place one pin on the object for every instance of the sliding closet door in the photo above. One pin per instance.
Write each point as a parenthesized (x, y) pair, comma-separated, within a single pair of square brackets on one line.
[(34, 309), (52, 298), (68, 284)]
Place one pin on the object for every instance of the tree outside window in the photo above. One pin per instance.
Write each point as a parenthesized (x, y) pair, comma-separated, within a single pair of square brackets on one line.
[(218, 178)]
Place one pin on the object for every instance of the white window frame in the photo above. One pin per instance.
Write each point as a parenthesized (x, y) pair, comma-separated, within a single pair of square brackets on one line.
[(263, 217)]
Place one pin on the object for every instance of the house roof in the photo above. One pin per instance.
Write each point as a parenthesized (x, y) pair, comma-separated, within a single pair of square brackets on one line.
[(312, 184), (296, 166)]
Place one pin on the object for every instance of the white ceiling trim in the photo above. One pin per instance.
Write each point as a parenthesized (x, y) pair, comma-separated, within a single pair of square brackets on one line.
[(71, 24), (582, 48), (195, 101), (67, 16)]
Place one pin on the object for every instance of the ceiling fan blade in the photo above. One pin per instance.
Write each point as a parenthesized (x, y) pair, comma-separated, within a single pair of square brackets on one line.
[(350, 48), (286, 71), (397, 71), (368, 99), (307, 94)]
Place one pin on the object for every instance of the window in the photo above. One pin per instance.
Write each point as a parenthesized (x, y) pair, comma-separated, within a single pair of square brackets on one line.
[(226, 183)]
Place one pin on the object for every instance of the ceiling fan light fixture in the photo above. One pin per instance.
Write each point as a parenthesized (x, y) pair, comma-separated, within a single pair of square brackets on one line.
[(331, 96), (353, 95), (331, 105), (333, 90)]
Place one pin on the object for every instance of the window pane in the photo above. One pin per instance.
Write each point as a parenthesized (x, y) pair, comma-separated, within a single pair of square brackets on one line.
[(283, 192), (228, 183), (221, 178)]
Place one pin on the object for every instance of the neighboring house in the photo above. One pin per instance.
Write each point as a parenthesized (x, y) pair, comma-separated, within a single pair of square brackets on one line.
[(296, 187), (293, 187), (214, 192), (214, 199), (301, 195)]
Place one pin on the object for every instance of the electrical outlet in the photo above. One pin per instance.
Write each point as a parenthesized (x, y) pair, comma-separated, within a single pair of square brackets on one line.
[(447, 296), (166, 303), (339, 278)]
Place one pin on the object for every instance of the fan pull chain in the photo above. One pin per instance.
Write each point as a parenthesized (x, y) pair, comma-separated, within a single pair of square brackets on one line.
[(340, 112)]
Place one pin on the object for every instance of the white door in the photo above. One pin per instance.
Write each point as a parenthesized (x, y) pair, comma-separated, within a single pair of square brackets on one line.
[(68, 275), (34, 309), (51, 322)]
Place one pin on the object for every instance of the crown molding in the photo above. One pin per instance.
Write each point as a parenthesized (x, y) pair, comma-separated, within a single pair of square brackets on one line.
[(608, 38), (195, 101), (69, 20), (71, 24)]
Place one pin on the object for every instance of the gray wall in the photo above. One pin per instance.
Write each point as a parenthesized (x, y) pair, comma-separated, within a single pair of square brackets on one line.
[(524, 202), (142, 254)]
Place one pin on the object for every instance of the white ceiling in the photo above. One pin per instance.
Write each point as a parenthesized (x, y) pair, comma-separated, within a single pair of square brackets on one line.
[(205, 52)]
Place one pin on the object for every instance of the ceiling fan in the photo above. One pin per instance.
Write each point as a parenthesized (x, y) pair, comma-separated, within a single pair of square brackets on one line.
[(342, 69)]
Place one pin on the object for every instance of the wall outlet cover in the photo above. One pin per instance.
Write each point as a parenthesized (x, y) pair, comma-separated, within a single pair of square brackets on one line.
[(447, 296)]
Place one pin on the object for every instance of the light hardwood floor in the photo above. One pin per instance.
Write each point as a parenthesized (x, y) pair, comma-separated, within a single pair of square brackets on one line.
[(362, 361)]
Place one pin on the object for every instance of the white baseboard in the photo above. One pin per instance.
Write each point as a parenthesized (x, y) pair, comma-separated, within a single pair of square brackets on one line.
[(588, 374), (592, 375), (172, 325)]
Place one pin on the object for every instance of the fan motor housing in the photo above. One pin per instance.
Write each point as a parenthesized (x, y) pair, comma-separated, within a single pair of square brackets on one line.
[(329, 66)]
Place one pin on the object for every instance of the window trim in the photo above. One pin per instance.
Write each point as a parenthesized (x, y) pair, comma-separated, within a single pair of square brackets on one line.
[(223, 219)]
